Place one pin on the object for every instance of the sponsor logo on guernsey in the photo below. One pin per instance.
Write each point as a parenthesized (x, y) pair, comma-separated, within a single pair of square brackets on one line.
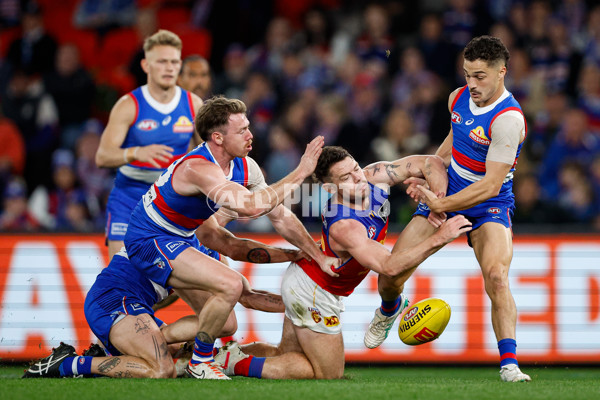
[(137, 307), (147, 125), (166, 121), (332, 321), (372, 231), (172, 246), (415, 318), (183, 125), (478, 135), (456, 118), (118, 228), (494, 210), (469, 121)]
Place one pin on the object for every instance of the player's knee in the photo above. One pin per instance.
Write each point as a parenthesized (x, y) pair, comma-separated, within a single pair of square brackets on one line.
[(496, 281), (164, 370), (228, 286)]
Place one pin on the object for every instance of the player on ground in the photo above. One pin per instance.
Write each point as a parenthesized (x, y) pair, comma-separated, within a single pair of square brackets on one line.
[(195, 76), (147, 129), (355, 221), (159, 238), (487, 132), (118, 309)]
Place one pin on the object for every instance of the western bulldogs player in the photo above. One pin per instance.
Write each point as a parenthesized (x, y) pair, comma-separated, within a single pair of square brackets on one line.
[(147, 129), (118, 309), (160, 238), (487, 132), (355, 222)]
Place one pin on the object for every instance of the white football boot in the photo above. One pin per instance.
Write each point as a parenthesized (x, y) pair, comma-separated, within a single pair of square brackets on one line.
[(229, 355), (380, 326), (512, 373), (206, 370)]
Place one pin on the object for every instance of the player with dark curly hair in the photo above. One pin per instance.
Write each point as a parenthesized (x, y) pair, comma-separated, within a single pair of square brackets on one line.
[(481, 151)]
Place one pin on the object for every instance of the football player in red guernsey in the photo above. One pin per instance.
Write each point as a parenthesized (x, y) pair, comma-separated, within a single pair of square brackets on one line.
[(355, 221)]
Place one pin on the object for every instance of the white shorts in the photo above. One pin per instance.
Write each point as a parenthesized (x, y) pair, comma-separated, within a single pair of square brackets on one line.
[(308, 305)]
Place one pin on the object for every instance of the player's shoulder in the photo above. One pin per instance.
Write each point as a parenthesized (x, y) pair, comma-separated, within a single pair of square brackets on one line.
[(345, 228), (454, 95), (125, 107)]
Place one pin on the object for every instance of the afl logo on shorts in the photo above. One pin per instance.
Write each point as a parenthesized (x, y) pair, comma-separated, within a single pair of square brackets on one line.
[(494, 210), (456, 118), (147, 125)]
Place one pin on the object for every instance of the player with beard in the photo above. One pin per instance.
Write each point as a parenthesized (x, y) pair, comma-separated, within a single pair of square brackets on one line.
[(355, 222)]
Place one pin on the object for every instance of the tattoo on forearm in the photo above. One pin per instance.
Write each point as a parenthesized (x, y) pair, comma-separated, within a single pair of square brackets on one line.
[(258, 255), (141, 326), (389, 169), (109, 364), (373, 169), (123, 374)]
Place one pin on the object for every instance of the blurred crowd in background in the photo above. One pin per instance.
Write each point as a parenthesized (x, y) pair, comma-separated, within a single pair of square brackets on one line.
[(372, 76)]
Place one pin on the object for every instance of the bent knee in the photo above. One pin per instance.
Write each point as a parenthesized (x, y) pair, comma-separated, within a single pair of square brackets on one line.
[(496, 280), (164, 370)]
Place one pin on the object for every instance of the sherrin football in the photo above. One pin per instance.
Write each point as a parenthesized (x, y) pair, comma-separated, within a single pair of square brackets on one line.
[(424, 321)]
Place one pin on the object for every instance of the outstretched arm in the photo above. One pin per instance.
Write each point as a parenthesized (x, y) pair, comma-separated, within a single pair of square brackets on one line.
[(422, 166), (214, 236), (196, 176), (351, 235)]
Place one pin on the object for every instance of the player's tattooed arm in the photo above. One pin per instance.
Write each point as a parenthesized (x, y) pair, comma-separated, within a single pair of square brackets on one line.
[(220, 239), (386, 172), (260, 299)]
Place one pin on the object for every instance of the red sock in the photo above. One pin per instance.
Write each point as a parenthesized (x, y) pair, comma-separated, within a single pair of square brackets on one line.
[(242, 367)]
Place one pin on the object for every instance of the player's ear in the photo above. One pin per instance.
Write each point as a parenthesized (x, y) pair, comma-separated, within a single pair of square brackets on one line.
[(217, 137), (144, 64)]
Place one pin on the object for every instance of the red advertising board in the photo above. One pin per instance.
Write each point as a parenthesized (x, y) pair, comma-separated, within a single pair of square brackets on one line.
[(555, 281)]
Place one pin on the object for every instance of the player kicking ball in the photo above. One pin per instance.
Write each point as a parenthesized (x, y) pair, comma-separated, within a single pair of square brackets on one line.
[(355, 222)]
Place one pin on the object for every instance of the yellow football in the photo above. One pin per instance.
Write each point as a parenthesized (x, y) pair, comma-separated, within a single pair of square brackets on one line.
[(424, 321)]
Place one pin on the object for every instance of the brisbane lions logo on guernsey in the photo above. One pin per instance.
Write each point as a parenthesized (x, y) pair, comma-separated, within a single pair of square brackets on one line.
[(456, 118), (372, 231)]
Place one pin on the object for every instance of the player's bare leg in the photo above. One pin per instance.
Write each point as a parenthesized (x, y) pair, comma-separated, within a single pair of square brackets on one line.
[(495, 263), (308, 355), (390, 288), (288, 343), (195, 270)]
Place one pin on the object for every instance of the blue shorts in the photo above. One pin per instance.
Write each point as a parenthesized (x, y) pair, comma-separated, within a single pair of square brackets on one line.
[(151, 250), (104, 306), (119, 290), (119, 206), (488, 211)]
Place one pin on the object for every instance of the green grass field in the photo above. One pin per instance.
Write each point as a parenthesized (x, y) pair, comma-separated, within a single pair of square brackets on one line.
[(360, 382)]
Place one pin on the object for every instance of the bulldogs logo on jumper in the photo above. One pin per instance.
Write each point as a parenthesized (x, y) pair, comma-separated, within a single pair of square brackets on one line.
[(456, 118), (159, 263), (147, 125), (478, 135), (183, 125)]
